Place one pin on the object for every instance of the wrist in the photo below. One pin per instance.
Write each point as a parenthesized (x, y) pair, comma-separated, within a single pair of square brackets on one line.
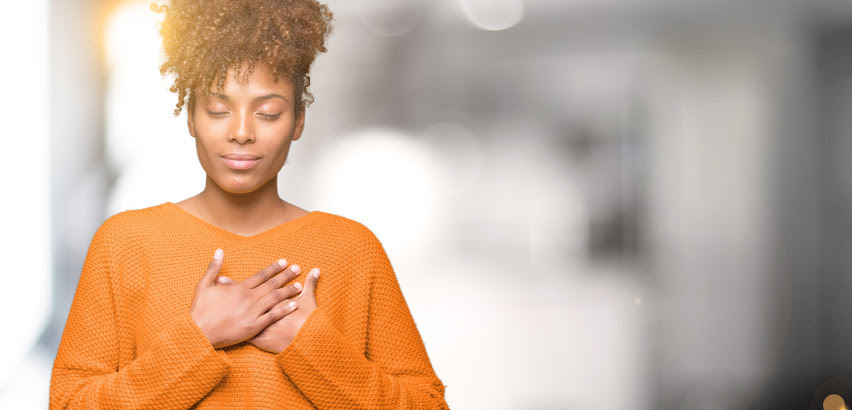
[(203, 326)]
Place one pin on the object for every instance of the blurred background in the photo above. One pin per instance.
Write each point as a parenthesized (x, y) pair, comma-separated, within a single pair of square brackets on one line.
[(610, 204)]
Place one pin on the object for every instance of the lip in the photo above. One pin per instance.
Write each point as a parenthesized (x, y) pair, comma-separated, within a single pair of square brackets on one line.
[(241, 157), (240, 161)]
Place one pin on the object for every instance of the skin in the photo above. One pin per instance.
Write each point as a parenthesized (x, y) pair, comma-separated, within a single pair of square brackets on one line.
[(258, 117)]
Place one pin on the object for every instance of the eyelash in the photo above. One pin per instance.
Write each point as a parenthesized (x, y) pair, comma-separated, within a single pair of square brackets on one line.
[(264, 116)]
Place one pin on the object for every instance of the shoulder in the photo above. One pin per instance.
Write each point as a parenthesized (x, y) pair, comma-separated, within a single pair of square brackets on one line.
[(345, 228), (346, 232), (130, 224)]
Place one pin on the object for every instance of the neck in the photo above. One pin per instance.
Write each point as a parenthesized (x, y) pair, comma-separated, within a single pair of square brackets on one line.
[(242, 210)]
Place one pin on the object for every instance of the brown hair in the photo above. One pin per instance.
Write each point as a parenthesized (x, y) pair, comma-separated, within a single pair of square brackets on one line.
[(203, 38)]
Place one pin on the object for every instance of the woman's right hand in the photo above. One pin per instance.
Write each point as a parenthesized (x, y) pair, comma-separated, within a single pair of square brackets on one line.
[(232, 313)]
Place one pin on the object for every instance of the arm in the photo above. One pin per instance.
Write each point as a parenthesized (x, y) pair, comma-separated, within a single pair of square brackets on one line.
[(393, 373), (180, 370)]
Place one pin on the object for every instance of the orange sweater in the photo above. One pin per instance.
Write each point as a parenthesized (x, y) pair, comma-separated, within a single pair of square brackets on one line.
[(130, 341)]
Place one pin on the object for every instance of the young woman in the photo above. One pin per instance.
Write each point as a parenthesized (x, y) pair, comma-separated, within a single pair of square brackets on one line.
[(156, 323)]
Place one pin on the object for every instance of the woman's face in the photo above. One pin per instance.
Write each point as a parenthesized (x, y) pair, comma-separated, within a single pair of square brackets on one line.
[(243, 133)]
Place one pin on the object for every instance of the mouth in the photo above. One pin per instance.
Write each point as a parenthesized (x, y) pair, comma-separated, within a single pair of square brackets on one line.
[(240, 161), (241, 157)]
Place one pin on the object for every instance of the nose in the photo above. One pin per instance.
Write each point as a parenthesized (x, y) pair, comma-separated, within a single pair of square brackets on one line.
[(243, 130)]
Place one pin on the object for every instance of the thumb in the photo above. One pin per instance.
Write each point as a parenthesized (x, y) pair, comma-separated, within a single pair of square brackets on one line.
[(209, 277), (311, 283)]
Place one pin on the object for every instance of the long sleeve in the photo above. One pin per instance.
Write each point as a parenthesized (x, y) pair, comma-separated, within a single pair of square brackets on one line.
[(178, 371), (393, 373)]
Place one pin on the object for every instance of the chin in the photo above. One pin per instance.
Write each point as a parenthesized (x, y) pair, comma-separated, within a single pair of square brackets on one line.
[(237, 186)]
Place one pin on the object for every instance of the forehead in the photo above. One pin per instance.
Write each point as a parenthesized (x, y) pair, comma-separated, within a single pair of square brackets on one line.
[(258, 81)]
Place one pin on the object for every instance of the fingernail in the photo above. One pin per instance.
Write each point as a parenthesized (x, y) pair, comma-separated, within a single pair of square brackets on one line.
[(295, 268), (297, 285), (315, 272), (291, 305), (282, 262), (217, 254)]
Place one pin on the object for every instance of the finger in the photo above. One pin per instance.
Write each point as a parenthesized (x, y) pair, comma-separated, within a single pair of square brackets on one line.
[(275, 297), (224, 280), (212, 269), (311, 283), (264, 274), (277, 312), (280, 279)]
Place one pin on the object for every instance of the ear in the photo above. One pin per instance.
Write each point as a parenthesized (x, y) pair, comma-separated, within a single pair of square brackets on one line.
[(300, 124), (190, 123)]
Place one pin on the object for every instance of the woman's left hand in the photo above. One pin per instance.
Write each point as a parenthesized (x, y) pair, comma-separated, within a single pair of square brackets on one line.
[(277, 336)]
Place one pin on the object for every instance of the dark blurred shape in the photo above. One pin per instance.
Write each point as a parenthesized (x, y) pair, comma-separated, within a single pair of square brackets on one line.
[(833, 394), (813, 269)]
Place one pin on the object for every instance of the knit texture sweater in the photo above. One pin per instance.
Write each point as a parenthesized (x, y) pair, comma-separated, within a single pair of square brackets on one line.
[(130, 342)]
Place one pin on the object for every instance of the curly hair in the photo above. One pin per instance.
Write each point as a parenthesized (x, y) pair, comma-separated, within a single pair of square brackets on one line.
[(202, 39)]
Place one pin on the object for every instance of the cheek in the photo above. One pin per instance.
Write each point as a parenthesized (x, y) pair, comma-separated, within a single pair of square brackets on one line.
[(206, 147), (278, 151), (210, 129), (274, 135), (202, 150)]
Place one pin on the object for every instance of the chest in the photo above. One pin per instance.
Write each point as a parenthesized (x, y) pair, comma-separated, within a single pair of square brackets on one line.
[(163, 285)]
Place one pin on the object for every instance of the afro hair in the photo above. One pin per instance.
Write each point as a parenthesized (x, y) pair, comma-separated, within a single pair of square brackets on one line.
[(202, 39)]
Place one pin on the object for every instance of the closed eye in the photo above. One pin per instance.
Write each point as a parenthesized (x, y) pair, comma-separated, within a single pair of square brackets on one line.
[(269, 116), (216, 113)]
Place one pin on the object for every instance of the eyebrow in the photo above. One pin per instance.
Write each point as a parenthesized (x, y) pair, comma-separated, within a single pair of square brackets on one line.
[(256, 99)]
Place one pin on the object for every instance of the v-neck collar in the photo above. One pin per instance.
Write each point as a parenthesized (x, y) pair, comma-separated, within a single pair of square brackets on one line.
[(222, 234)]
